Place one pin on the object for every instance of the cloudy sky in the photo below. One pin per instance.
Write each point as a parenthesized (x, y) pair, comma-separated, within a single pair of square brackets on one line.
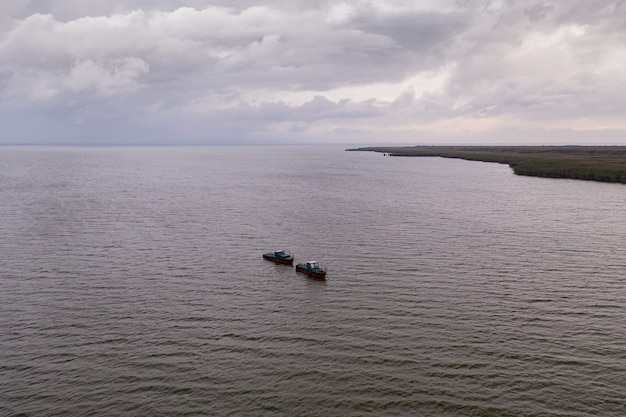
[(312, 71)]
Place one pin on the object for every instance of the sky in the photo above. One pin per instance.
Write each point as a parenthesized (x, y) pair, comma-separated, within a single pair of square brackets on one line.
[(312, 71)]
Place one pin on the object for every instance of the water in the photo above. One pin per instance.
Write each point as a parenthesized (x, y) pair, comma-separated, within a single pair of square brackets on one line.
[(133, 284)]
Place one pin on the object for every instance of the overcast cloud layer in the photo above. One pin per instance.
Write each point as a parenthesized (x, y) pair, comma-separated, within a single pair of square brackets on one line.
[(360, 71)]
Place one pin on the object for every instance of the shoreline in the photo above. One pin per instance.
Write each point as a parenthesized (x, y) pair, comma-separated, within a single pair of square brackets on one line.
[(589, 163)]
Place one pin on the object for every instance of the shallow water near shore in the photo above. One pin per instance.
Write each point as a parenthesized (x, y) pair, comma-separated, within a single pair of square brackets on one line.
[(133, 284)]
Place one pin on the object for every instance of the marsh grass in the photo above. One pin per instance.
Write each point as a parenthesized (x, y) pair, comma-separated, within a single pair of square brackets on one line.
[(592, 163)]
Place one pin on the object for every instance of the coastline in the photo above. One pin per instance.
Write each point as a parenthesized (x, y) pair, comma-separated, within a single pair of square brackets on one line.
[(589, 163)]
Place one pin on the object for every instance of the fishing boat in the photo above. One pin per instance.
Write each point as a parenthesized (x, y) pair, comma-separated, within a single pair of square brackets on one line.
[(279, 257), (312, 269)]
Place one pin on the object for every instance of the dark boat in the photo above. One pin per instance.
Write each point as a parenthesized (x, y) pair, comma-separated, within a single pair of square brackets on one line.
[(312, 269), (279, 257)]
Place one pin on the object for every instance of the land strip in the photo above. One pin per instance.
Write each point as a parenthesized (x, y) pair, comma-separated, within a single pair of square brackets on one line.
[(591, 163)]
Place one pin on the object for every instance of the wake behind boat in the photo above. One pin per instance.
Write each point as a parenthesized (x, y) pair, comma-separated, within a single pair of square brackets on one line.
[(279, 257)]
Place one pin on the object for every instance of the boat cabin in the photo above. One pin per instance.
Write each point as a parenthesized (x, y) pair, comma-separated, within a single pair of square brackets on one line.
[(312, 265), (279, 253)]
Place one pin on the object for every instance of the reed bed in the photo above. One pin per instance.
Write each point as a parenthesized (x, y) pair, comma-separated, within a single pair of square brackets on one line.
[(591, 163)]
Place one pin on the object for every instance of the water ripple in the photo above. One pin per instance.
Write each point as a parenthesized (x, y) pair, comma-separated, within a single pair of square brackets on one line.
[(133, 285)]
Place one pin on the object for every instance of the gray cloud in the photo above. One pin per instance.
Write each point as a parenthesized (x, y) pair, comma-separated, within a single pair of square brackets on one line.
[(232, 71)]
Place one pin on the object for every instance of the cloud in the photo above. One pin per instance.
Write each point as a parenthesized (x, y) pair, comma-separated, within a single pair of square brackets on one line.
[(360, 70)]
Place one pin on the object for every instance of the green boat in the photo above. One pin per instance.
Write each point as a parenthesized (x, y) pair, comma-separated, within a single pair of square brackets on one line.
[(279, 257), (312, 269)]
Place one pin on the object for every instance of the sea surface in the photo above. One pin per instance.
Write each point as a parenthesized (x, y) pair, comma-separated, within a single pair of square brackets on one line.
[(132, 284)]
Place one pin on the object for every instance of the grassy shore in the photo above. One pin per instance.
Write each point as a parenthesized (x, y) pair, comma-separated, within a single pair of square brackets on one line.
[(592, 163)]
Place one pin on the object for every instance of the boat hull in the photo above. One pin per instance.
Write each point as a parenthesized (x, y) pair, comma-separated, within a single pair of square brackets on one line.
[(287, 260), (317, 274)]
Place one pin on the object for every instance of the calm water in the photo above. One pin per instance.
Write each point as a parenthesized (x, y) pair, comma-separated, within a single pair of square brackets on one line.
[(132, 283)]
